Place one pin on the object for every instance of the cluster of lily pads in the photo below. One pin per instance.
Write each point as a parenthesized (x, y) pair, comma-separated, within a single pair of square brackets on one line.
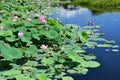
[(97, 39), (36, 47)]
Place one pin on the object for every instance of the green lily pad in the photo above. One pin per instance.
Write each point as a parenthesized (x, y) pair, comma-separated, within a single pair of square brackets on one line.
[(51, 34), (67, 78), (88, 57), (41, 76), (47, 61), (11, 53), (11, 72), (23, 77), (115, 50), (83, 36), (91, 64), (72, 71)]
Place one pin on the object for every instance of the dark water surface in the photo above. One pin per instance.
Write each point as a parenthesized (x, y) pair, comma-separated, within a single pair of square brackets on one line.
[(110, 25)]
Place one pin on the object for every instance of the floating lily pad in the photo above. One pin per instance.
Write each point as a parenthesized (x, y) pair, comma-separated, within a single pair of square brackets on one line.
[(104, 45), (72, 71), (42, 76), (23, 77), (88, 57), (67, 78), (11, 53), (91, 64), (115, 46), (51, 34), (115, 50), (11, 72)]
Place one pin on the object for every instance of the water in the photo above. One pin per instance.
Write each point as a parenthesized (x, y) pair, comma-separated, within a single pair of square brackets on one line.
[(110, 25)]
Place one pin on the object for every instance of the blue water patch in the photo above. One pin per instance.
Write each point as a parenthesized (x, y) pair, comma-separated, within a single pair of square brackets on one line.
[(110, 25)]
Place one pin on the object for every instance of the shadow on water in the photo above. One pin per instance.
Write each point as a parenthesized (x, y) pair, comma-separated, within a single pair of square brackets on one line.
[(5, 65), (110, 25)]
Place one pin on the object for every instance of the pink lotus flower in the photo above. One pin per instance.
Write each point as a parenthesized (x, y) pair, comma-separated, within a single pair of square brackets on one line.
[(29, 19), (1, 12), (20, 34), (91, 23), (46, 28), (44, 46), (42, 19), (1, 27), (15, 18)]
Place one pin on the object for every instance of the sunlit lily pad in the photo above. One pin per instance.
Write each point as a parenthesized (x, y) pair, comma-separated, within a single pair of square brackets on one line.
[(11, 53), (23, 77), (115, 46), (91, 64), (72, 71), (115, 50), (11, 72), (100, 39), (104, 45), (88, 57), (82, 70), (67, 78), (51, 34), (42, 76)]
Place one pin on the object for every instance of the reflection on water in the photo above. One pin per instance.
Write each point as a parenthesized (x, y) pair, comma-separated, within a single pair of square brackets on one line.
[(94, 10), (72, 13), (110, 25)]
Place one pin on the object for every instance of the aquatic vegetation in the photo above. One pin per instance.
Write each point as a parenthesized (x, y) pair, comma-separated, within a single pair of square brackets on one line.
[(91, 23), (99, 3), (115, 50), (96, 6), (42, 52), (39, 47)]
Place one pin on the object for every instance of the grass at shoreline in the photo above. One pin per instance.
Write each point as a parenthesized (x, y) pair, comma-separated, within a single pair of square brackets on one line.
[(98, 3), (98, 6)]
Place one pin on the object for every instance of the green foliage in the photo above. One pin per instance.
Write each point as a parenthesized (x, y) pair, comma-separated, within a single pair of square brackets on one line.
[(42, 51), (11, 72), (83, 36), (41, 76), (99, 3), (90, 64), (51, 34), (98, 6), (23, 77), (67, 78), (11, 53)]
